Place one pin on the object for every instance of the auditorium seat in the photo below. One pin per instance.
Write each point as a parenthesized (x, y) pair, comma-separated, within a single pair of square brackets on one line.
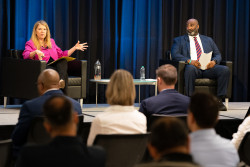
[(123, 150), (19, 77)]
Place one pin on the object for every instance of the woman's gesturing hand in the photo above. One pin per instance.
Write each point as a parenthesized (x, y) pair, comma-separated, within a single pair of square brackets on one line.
[(82, 46)]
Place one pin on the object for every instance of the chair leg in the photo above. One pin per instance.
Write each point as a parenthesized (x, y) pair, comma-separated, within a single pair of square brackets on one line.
[(81, 102), (4, 101), (226, 102)]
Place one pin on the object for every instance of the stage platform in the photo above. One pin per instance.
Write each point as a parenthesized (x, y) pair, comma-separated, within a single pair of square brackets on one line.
[(9, 115)]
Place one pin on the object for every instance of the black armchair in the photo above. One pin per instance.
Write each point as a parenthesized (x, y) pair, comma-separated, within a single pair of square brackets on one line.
[(203, 84), (19, 77)]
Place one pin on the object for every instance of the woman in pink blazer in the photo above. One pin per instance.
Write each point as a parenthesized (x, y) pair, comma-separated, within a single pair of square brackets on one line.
[(42, 47)]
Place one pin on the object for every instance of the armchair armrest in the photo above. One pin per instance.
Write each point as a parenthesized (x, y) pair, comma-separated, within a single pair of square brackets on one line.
[(78, 68)]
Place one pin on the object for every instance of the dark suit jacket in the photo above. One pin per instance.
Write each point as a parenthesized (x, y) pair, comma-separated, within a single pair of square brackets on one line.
[(62, 152), (166, 102), (181, 48), (29, 110)]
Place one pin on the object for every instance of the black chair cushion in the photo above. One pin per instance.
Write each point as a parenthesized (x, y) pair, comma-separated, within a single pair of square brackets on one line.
[(205, 82)]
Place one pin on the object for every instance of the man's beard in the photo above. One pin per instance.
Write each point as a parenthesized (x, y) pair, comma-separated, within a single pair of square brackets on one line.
[(192, 33)]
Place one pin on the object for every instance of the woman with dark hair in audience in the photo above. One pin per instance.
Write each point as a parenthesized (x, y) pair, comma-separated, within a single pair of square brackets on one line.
[(42, 47), (120, 117)]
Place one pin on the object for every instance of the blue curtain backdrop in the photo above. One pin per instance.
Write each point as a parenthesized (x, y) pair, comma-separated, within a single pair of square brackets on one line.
[(130, 33)]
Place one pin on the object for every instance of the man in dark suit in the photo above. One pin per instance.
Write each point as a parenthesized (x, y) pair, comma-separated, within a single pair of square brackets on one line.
[(168, 101), (48, 85), (65, 149), (189, 48)]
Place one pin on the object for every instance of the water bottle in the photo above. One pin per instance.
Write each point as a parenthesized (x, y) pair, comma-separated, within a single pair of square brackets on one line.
[(97, 68), (142, 73)]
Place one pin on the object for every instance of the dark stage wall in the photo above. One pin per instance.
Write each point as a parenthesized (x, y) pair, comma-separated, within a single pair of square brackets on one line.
[(130, 33)]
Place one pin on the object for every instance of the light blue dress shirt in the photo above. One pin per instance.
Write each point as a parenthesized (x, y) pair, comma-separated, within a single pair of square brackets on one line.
[(211, 150)]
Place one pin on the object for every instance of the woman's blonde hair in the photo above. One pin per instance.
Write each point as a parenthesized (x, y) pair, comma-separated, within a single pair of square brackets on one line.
[(47, 38), (121, 89)]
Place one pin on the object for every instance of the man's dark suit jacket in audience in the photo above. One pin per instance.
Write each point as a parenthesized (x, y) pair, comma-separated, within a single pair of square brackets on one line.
[(168, 101), (62, 152), (33, 108), (65, 149)]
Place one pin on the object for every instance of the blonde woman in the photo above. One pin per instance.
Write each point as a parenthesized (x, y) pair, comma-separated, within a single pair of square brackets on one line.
[(121, 117), (42, 47)]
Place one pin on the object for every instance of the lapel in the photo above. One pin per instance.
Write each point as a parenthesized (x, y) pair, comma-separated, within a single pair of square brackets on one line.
[(186, 38), (204, 43)]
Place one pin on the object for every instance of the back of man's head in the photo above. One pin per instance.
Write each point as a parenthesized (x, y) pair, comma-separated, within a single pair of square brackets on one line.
[(48, 79), (168, 134), (168, 73), (204, 108), (58, 111)]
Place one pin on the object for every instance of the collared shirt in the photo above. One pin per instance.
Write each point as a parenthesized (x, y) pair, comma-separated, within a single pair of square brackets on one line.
[(193, 53), (242, 130), (50, 90), (209, 149), (117, 119)]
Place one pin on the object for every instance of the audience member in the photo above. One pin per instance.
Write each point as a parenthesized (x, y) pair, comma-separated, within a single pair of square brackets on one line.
[(120, 117), (242, 130), (65, 149), (48, 85), (168, 101), (169, 144), (208, 148)]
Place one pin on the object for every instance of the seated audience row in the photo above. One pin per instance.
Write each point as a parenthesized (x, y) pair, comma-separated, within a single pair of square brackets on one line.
[(169, 142)]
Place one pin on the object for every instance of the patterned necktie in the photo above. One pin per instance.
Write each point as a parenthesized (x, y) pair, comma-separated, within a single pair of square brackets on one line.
[(198, 48)]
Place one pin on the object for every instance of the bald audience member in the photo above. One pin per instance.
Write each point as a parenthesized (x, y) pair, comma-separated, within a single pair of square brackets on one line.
[(47, 85), (65, 149)]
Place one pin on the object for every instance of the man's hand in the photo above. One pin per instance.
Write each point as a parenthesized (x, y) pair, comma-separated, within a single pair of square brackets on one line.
[(211, 64), (195, 63)]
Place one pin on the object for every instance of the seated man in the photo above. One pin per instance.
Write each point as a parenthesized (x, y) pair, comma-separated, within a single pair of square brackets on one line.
[(65, 149), (168, 101), (48, 85), (189, 48), (169, 144), (208, 148)]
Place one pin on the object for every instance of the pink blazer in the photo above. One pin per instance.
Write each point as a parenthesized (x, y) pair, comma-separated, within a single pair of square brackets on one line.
[(55, 52)]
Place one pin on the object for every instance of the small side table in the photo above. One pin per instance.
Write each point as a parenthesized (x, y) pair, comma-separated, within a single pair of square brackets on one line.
[(136, 82)]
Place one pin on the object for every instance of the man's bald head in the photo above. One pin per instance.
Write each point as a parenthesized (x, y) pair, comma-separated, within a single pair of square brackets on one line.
[(192, 27), (48, 79), (193, 21)]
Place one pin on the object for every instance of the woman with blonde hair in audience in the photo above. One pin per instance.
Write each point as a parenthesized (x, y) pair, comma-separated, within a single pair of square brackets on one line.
[(120, 117)]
